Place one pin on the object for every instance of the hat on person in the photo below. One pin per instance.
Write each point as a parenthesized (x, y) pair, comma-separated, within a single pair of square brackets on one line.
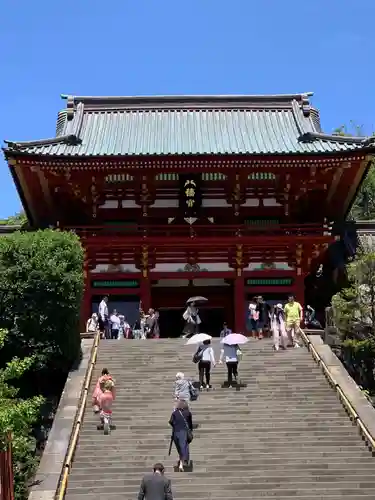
[(279, 306)]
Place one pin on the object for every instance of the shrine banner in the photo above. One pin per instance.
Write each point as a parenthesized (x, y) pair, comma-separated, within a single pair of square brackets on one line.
[(190, 194)]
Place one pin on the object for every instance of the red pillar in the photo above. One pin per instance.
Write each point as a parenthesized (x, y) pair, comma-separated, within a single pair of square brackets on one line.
[(145, 293), (299, 287), (86, 303), (239, 304)]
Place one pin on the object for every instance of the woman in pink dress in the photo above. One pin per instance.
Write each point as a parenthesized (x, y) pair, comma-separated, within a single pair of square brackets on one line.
[(105, 404), (99, 389)]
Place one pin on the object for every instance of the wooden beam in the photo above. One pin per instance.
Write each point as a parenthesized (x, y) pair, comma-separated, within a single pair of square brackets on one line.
[(263, 290), (30, 198), (184, 242), (46, 193), (175, 163)]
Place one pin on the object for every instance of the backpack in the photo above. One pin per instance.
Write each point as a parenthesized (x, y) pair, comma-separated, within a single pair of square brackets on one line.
[(194, 392), (198, 355)]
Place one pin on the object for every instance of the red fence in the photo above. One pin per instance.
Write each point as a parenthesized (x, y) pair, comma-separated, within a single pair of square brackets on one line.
[(6, 475)]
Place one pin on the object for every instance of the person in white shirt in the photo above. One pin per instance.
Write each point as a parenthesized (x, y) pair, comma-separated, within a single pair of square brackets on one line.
[(192, 321), (230, 353), (92, 323), (103, 317), (207, 359), (115, 324)]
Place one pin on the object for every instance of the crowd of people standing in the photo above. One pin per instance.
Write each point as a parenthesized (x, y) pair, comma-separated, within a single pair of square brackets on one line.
[(115, 325), (282, 322)]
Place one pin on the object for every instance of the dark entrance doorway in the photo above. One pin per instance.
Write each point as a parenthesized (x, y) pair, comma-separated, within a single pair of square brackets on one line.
[(128, 305), (170, 302), (171, 322)]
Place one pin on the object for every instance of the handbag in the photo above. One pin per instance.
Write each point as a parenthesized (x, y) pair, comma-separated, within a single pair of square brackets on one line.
[(198, 355), (193, 391), (190, 435)]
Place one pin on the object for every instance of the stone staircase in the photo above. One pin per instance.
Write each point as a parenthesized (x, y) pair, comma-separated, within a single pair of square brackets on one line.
[(284, 436)]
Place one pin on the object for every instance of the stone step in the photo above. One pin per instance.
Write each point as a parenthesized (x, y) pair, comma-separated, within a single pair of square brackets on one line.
[(284, 435), (225, 440), (230, 455), (237, 481), (265, 421), (226, 395), (311, 464), (241, 496), (244, 402), (217, 463), (209, 445), (207, 470), (287, 434), (265, 489), (245, 448), (249, 415)]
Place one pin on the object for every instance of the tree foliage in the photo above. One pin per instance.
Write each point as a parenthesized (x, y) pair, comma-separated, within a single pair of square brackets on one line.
[(354, 316), (364, 205), (41, 286), (18, 219), (17, 417)]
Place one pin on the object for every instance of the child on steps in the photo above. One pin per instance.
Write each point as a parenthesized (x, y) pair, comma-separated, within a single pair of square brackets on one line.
[(105, 404), (99, 388)]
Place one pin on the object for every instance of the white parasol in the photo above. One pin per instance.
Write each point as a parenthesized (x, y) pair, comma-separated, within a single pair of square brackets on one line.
[(198, 338), (234, 339), (196, 300)]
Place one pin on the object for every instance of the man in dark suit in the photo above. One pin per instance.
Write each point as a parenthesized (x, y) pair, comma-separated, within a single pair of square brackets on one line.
[(152, 323), (155, 486)]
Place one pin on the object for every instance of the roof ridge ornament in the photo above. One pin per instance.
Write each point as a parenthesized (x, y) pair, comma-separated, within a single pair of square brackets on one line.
[(341, 139), (70, 140), (70, 107), (305, 106), (158, 101)]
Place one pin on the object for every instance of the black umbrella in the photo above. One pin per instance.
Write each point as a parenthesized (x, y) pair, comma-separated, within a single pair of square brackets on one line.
[(196, 299)]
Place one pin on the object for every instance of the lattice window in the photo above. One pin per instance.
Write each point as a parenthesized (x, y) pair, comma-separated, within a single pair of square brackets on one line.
[(213, 176), (269, 282), (167, 177), (261, 222), (262, 176), (207, 176), (115, 284), (118, 178)]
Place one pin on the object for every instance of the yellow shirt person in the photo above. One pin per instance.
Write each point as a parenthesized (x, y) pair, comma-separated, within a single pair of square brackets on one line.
[(293, 313)]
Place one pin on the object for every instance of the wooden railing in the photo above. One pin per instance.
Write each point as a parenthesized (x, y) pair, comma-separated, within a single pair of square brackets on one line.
[(198, 230), (343, 395), (64, 478)]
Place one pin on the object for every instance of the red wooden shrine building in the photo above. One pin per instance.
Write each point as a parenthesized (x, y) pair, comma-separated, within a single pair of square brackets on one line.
[(223, 196)]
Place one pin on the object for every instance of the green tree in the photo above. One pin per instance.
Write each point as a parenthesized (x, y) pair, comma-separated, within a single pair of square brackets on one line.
[(15, 220), (41, 283), (17, 417), (354, 316), (364, 205)]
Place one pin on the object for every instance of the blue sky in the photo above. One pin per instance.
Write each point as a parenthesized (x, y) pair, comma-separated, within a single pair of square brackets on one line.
[(130, 47)]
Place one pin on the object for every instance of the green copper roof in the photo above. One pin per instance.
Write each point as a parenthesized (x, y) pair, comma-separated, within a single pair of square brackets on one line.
[(188, 125)]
